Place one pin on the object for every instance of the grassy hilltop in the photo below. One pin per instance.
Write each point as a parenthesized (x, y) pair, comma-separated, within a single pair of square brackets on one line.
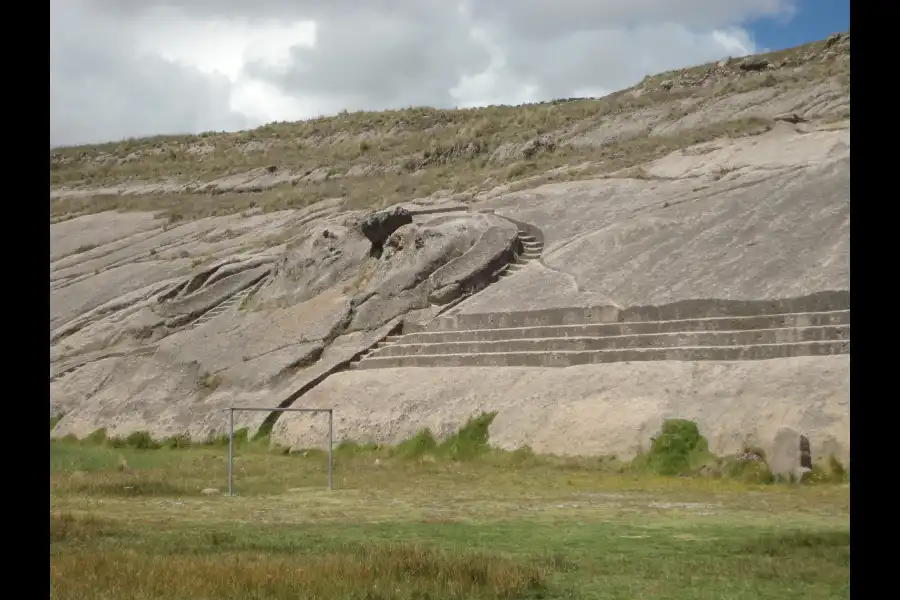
[(376, 159)]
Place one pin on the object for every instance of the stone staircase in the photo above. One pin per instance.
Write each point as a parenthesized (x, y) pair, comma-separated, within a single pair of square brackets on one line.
[(222, 307), (568, 337), (530, 249)]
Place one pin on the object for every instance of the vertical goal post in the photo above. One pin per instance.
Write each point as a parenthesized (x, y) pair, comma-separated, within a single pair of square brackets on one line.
[(232, 409)]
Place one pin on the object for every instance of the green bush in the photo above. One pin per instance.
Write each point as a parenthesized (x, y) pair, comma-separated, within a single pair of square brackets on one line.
[(471, 440), (748, 471), (677, 450)]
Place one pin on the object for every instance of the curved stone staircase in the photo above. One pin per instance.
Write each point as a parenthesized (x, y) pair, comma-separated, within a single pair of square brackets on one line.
[(530, 246), (531, 250)]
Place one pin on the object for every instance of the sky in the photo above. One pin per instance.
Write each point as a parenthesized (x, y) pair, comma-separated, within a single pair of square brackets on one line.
[(133, 69)]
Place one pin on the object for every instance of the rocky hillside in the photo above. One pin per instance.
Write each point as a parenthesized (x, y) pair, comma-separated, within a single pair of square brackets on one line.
[(378, 159), (192, 273)]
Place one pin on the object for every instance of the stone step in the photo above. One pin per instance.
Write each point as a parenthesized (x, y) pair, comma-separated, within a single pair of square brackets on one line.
[(687, 309), (569, 359), (527, 238), (144, 351), (816, 319), (784, 335), (218, 309)]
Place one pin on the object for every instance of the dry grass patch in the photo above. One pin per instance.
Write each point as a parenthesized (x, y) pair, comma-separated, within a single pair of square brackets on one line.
[(380, 190), (397, 571), (377, 159)]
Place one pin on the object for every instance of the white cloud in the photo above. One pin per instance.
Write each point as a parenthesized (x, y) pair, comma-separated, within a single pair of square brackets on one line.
[(120, 69)]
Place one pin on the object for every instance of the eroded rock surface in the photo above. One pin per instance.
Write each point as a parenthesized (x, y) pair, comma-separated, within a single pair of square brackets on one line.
[(378, 226), (159, 324), (608, 410), (755, 218), (306, 308)]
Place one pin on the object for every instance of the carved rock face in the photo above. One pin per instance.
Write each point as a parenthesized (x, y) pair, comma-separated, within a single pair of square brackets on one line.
[(379, 226)]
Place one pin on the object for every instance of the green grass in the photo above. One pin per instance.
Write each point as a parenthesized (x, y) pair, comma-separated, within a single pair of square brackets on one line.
[(513, 559), (433, 519)]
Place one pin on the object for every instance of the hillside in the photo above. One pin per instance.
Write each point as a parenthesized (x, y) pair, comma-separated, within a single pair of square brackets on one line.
[(704, 213)]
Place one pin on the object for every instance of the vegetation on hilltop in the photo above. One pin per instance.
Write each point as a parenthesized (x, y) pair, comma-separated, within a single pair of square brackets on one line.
[(379, 158)]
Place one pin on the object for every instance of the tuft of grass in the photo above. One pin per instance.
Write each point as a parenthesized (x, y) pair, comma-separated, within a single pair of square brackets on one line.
[(831, 472), (139, 440), (97, 437), (128, 486), (837, 468), (350, 448), (69, 527), (468, 443), (240, 437), (471, 440), (55, 419), (748, 471), (209, 382), (418, 445)]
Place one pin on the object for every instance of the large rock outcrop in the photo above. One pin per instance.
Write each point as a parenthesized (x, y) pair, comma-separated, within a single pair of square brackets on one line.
[(160, 321), (154, 360)]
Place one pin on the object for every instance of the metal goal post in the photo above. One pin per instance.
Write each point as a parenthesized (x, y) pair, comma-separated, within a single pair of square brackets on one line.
[(233, 409)]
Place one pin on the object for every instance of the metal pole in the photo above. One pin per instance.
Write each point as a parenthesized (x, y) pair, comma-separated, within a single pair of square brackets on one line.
[(230, 450), (330, 445)]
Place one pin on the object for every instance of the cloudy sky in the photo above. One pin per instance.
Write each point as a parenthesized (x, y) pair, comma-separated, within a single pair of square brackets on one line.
[(120, 69)]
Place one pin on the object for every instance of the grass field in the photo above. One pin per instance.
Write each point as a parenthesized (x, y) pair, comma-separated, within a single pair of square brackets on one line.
[(128, 523)]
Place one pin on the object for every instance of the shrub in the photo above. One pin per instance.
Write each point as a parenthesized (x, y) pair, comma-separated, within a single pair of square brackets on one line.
[(139, 440), (178, 441), (418, 445), (676, 450), (471, 440)]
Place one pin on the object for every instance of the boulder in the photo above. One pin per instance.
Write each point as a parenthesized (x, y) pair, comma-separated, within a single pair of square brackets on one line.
[(789, 456), (378, 226), (754, 64)]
